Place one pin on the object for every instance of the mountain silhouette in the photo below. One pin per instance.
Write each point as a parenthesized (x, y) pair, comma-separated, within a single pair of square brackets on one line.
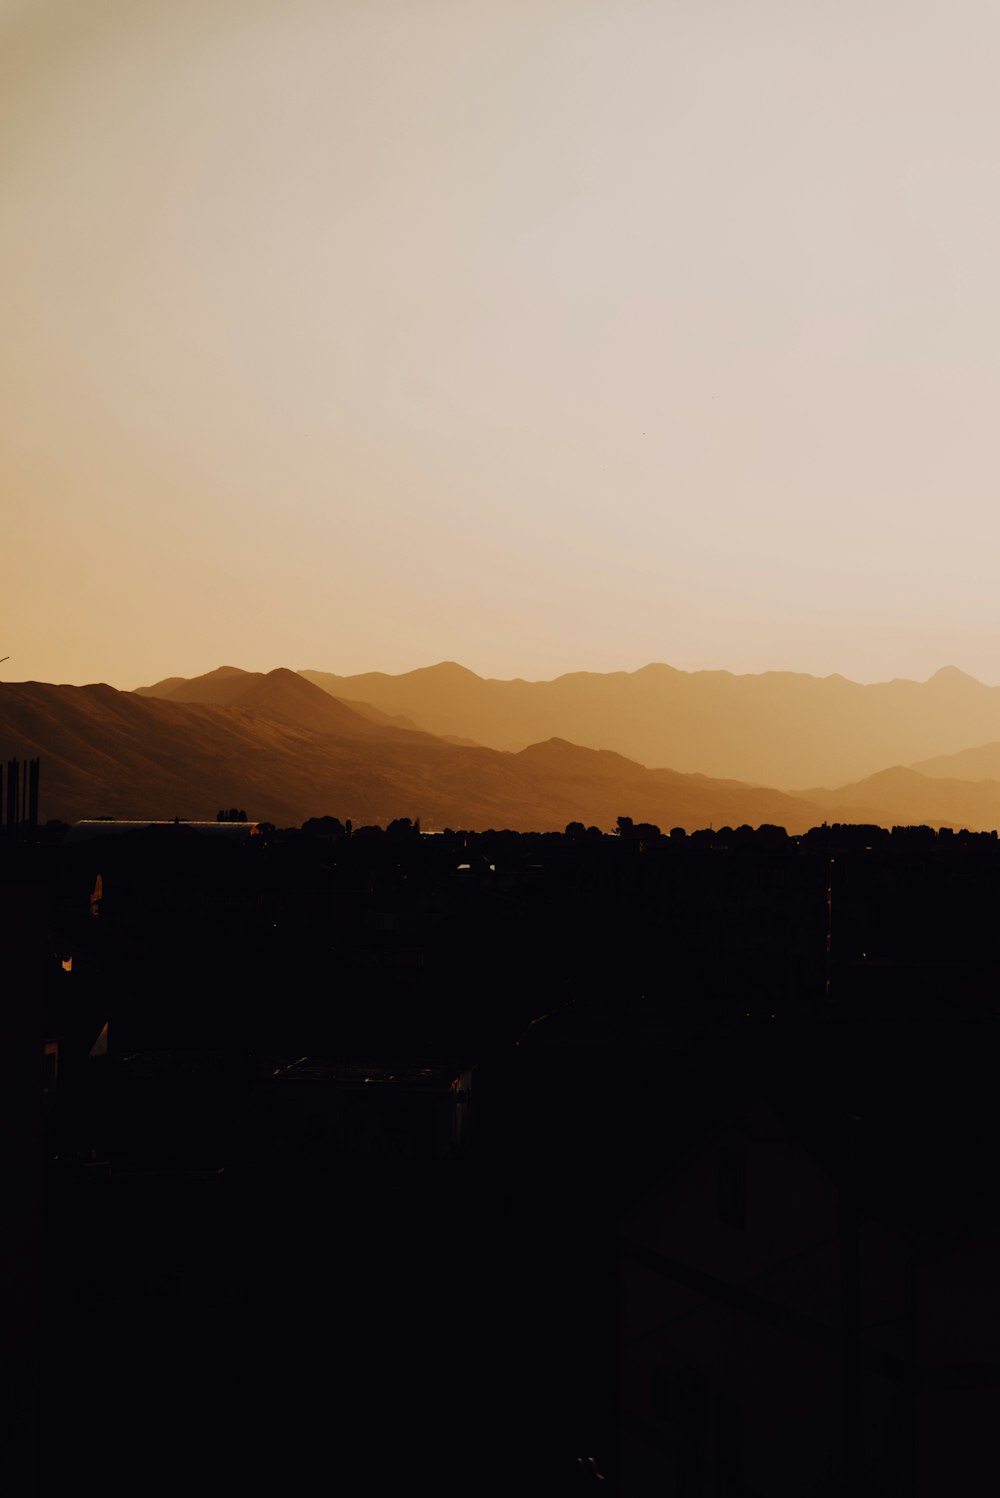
[(778, 729), (902, 796), (285, 750), (981, 763), (279, 694)]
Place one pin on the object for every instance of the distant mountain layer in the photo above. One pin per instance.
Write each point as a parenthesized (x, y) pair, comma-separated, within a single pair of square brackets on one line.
[(903, 797), (779, 728), (982, 763), (284, 750), (281, 694)]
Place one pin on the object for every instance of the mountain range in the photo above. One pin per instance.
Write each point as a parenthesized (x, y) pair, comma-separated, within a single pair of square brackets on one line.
[(283, 745), (779, 728), (285, 750)]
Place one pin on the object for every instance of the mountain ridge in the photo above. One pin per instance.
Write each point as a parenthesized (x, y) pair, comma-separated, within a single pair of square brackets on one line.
[(111, 753), (780, 729)]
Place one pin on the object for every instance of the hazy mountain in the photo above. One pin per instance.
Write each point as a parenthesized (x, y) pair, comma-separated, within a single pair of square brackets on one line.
[(779, 728), (904, 797), (166, 686), (284, 750), (376, 715), (982, 763), (280, 693), (231, 686)]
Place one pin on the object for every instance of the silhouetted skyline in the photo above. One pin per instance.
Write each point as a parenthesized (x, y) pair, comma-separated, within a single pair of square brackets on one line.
[(608, 1112)]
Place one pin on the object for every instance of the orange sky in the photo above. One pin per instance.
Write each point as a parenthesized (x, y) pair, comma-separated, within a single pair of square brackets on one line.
[(542, 336)]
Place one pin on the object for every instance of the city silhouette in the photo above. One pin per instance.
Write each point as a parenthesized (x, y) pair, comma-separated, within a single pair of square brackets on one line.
[(659, 1158)]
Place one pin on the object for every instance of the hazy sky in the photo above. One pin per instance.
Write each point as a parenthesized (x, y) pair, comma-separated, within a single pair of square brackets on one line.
[(543, 336)]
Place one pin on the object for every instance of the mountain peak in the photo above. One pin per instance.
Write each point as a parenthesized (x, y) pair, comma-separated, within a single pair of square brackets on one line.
[(451, 668), (284, 673), (952, 676)]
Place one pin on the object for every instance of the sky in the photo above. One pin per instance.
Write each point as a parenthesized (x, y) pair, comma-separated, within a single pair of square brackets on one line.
[(362, 334)]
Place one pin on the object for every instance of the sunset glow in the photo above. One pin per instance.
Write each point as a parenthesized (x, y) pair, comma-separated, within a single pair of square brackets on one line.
[(541, 337)]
